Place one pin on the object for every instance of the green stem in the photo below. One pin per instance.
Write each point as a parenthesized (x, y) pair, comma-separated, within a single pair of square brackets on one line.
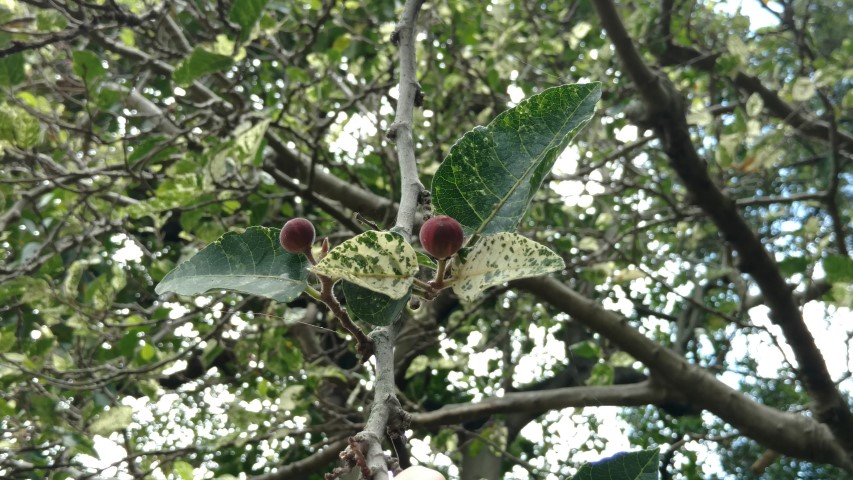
[(313, 293)]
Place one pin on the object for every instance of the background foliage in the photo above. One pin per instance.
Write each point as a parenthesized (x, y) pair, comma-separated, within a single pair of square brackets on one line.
[(135, 133)]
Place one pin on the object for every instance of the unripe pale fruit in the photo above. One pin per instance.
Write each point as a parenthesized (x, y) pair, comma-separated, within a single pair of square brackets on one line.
[(297, 236), (441, 236), (419, 473)]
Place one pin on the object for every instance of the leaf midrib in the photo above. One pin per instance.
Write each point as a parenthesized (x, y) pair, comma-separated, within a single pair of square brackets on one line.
[(533, 165)]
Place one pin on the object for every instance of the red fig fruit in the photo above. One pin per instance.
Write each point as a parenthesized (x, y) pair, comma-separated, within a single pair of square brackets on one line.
[(441, 236), (297, 236)]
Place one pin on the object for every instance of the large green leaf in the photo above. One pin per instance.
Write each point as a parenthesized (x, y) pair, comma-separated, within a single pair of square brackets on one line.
[(200, 63), (642, 465), (492, 173), (88, 66), (251, 262), (838, 268), (246, 14), (12, 69), (500, 258), (372, 307), (379, 261)]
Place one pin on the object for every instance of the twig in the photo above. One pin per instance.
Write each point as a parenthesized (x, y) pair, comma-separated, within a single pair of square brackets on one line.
[(365, 344), (386, 415)]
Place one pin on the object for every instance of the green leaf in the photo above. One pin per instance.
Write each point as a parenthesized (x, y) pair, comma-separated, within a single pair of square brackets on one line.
[(602, 374), (183, 469), (492, 173), (792, 265), (73, 274), (249, 140), (200, 63), (112, 420), (88, 66), (147, 352), (291, 396), (621, 359), (12, 69), (18, 127), (498, 259), (79, 443), (180, 191), (246, 14), (838, 268), (803, 89), (372, 307), (251, 262), (642, 465), (380, 261), (586, 349), (425, 261)]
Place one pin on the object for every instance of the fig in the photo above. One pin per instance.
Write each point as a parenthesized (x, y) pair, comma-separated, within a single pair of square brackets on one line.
[(297, 236), (441, 236)]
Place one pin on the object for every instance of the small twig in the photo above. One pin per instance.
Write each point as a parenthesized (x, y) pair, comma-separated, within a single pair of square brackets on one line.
[(327, 296)]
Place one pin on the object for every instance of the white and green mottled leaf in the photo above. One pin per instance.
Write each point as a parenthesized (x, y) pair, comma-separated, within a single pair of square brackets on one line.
[(379, 261), (498, 259), (112, 420)]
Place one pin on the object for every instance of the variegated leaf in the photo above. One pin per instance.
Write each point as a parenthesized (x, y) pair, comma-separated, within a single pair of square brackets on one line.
[(380, 261), (498, 259)]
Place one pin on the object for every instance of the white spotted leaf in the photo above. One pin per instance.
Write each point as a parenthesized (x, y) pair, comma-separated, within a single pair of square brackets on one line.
[(500, 258), (379, 261)]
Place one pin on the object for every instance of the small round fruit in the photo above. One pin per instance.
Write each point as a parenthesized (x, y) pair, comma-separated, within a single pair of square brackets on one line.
[(419, 473), (441, 236), (297, 236)]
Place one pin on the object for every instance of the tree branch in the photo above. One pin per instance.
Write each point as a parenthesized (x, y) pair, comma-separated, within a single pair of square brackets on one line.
[(668, 119), (778, 108), (308, 465), (788, 433), (635, 394), (294, 165), (401, 130), (386, 415)]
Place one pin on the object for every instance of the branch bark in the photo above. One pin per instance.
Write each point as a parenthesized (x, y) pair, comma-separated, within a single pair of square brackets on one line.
[(788, 433), (401, 130), (308, 465), (386, 414), (635, 394), (664, 109)]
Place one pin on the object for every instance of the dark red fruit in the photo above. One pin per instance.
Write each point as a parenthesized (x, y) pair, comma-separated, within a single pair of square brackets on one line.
[(297, 236), (441, 236)]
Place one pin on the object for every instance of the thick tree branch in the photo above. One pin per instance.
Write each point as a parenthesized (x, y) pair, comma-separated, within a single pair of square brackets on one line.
[(636, 394), (308, 465), (668, 119), (791, 434)]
